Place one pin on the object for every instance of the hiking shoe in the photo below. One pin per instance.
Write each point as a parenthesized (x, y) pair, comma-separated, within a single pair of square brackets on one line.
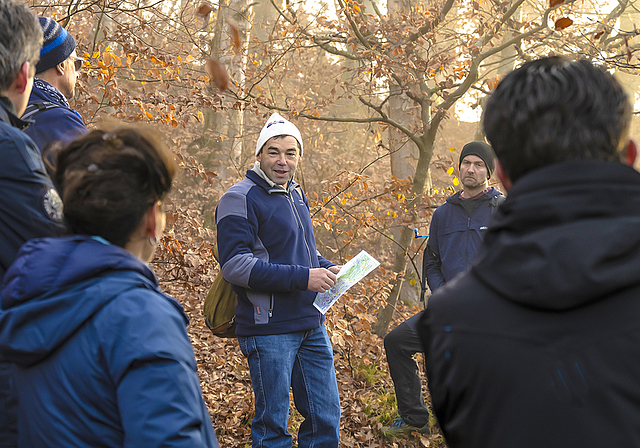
[(399, 427)]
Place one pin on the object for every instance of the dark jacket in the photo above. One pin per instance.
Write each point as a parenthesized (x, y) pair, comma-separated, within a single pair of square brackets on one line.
[(103, 357), (538, 345), (29, 207), (59, 123), (454, 237), (29, 204), (267, 246)]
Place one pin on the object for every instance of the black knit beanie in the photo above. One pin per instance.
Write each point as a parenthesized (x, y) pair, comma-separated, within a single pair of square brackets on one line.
[(482, 150), (57, 44)]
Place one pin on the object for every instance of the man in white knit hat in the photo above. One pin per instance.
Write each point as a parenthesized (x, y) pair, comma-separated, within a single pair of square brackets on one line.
[(268, 253)]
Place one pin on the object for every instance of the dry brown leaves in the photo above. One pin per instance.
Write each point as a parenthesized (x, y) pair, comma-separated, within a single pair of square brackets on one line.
[(218, 74), (226, 383), (562, 23)]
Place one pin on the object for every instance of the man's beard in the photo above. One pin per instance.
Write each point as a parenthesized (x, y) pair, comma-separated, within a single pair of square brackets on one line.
[(471, 182)]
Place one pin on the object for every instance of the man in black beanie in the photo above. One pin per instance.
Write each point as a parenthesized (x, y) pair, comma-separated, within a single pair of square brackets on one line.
[(54, 85), (456, 231)]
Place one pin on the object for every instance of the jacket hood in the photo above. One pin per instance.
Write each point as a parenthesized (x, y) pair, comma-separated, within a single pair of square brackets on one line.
[(567, 235), (54, 287)]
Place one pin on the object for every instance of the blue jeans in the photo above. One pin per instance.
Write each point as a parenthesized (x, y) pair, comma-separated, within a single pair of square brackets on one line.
[(303, 361)]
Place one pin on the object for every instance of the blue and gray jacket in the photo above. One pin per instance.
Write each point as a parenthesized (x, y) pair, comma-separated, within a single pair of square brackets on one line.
[(267, 246), (454, 237)]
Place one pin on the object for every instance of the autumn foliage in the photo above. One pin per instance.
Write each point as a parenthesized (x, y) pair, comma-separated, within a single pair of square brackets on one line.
[(365, 85)]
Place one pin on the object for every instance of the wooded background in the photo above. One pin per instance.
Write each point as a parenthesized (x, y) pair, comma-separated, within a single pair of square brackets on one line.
[(385, 94)]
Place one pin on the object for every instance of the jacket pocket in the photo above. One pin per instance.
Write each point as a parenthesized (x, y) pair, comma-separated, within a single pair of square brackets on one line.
[(261, 306)]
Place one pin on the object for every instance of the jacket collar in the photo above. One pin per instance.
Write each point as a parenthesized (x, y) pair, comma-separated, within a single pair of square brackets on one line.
[(8, 114), (566, 235), (488, 195), (48, 92), (260, 178)]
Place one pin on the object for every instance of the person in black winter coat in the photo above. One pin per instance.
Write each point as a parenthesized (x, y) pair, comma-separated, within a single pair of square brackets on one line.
[(456, 231), (538, 344)]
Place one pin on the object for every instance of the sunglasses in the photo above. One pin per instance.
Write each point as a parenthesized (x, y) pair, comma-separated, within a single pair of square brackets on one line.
[(78, 63)]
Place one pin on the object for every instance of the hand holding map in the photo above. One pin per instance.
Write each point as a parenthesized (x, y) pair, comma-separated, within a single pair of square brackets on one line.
[(350, 274)]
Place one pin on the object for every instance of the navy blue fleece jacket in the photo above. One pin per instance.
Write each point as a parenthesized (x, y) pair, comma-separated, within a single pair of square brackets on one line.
[(56, 124), (455, 236), (267, 246)]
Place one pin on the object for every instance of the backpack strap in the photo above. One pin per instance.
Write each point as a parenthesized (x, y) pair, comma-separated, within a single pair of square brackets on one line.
[(495, 202), (36, 107)]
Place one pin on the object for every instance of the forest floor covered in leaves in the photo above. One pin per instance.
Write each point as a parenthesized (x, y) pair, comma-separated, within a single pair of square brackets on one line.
[(366, 389)]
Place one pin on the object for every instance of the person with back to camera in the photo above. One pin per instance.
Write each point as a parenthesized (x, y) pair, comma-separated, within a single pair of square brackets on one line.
[(29, 204), (538, 345), (103, 357)]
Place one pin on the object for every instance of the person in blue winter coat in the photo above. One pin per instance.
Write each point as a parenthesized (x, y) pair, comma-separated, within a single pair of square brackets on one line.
[(29, 204), (268, 253), (102, 355), (456, 232), (54, 85), (458, 226)]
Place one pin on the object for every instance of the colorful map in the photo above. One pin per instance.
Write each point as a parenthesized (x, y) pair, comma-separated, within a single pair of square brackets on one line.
[(351, 273)]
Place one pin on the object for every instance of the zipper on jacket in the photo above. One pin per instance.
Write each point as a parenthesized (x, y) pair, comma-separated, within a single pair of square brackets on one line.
[(304, 234), (466, 255), (271, 305)]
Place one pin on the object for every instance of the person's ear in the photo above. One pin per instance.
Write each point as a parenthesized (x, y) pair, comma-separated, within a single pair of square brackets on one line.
[(60, 68), (22, 80), (503, 176), (150, 220), (631, 153)]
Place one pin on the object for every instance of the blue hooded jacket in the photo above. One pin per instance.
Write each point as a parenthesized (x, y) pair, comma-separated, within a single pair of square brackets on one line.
[(103, 358)]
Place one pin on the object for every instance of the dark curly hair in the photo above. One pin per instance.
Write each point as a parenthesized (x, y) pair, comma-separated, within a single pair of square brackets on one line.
[(109, 178)]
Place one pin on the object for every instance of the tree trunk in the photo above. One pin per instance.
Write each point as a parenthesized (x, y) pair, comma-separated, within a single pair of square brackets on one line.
[(420, 180), (630, 81), (506, 62), (222, 131)]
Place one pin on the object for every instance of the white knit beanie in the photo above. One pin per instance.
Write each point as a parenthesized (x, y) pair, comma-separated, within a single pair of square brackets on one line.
[(278, 125)]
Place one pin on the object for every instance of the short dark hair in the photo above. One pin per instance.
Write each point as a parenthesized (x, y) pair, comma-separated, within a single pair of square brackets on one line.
[(553, 110), (20, 40), (109, 178)]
